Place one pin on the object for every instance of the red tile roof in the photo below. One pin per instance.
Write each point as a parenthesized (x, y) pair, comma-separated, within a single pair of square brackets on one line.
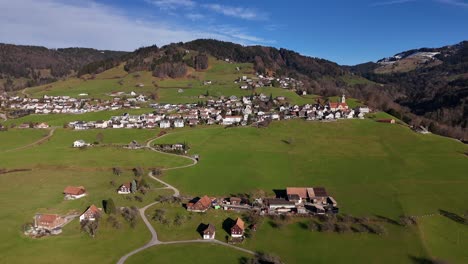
[(72, 190), (301, 191)]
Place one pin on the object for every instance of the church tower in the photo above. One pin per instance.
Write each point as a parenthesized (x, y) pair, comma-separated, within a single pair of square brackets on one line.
[(343, 99)]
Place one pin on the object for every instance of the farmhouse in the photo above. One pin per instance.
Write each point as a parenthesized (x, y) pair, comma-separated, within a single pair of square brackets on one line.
[(209, 232), (237, 230), (278, 205), (200, 206), (42, 125), (72, 192), (91, 214), (317, 195), (125, 188), (48, 221), (79, 143)]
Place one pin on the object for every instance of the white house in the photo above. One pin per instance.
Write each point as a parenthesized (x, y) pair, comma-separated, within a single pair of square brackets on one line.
[(209, 232), (79, 144), (91, 214), (179, 123), (72, 192), (229, 120), (125, 188), (165, 124)]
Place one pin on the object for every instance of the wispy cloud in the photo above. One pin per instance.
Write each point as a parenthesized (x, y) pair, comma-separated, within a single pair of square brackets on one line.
[(55, 24), (392, 2), (195, 16), (172, 4), (237, 12), (454, 3)]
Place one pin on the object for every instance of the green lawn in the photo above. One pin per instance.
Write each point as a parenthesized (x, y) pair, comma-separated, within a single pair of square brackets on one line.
[(24, 194), (369, 167), (15, 138), (58, 152), (195, 253)]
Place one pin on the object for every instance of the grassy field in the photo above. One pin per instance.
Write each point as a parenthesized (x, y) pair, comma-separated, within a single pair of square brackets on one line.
[(397, 168), (14, 138), (58, 153), (41, 191), (196, 253)]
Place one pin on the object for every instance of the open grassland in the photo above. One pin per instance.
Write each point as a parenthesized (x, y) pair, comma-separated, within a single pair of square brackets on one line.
[(195, 253), (369, 167), (40, 191), (58, 152), (15, 138)]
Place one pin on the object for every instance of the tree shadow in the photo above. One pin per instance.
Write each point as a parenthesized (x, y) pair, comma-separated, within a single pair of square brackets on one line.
[(388, 220), (454, 217), (280, 193), (201, 227), (227, 224), (424, 260)]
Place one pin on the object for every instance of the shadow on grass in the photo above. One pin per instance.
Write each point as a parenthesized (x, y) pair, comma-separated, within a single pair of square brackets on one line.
[(424, 260), (454, 217), (227, 224), (201, 227), (388, 220)]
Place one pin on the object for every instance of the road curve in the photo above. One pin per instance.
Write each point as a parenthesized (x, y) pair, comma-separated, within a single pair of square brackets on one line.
[(154, 236)]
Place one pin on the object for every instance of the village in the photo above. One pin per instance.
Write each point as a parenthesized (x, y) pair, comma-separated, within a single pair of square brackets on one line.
[(69, 105), (244, 111)]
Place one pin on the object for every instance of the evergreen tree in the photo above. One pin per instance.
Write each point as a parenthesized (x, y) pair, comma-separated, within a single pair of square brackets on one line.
[(109, 206)]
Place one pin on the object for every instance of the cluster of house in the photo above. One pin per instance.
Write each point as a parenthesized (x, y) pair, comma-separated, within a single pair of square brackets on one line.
[(204, 203), (264, 81), (226, 111), (297, 200), (53, 223), (301, 200), (69, 105)]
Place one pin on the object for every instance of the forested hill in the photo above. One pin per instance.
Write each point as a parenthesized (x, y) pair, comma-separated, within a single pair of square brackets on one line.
[(22, 66), (432, 83)]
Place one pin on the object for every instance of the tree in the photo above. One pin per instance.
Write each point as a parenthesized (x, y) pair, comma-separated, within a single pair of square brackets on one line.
[(114, 222), (117, 171), (90, 227), (138, 171), (133, 186), (109, 206), (99, 137)]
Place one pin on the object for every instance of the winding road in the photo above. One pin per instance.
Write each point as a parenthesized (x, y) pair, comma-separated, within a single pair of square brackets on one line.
[(154, 235)]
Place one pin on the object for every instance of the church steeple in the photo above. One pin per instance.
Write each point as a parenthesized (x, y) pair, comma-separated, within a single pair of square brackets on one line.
[(343, 99)]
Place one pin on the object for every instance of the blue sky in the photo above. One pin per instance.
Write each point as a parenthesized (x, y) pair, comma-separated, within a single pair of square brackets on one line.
[(347, 32)]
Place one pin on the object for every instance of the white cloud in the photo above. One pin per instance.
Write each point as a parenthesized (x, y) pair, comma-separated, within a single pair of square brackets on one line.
[(57, 24), (172, 4), (457, 3), (391, 2), (195, 16), (237, 12)]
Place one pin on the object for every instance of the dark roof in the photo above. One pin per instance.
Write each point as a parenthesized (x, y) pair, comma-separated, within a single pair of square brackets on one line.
[(210, 229), (320, 192)]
